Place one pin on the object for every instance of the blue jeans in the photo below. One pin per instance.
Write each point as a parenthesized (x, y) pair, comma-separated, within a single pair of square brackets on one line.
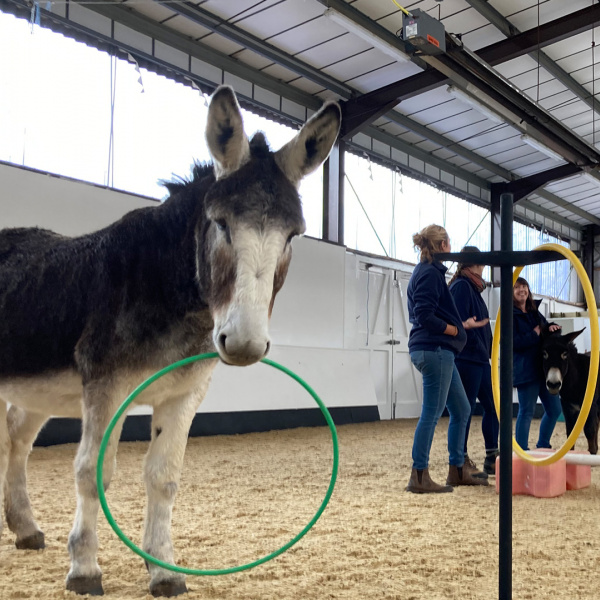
[(441, 387), (477, 381), (528, 394)]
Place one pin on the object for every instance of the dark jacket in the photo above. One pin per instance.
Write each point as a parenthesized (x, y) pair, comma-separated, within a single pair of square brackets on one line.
[(469, 303), (430, 308), (527, 354)]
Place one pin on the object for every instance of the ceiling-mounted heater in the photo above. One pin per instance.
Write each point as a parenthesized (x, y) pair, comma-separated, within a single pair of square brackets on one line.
[(424, 32)]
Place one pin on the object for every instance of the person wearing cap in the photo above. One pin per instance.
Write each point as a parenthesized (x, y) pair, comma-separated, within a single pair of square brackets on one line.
[(473, 362)]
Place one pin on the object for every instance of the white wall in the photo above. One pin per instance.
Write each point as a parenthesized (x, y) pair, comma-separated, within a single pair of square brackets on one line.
[(332, 323), (308, 318), (33, 199)]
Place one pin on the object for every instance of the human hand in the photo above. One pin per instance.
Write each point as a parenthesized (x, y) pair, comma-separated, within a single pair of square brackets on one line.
[(554, 327), (473, 323)]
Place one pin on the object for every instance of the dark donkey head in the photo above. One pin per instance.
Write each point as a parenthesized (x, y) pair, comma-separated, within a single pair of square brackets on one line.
[(252, 212), (558, 351)]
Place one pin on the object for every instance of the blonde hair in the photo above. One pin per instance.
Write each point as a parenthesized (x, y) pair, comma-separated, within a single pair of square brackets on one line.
[(429, 241)]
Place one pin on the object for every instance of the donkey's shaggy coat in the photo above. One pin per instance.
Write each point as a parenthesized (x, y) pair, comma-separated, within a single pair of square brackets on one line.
[(84, 320)]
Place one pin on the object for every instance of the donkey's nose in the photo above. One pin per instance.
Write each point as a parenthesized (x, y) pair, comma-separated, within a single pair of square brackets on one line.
[(553, 386), (241, 353)]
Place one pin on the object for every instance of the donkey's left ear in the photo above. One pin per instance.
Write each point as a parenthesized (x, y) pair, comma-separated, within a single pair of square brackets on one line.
[(225, 137), (569, 337), (312, 144)]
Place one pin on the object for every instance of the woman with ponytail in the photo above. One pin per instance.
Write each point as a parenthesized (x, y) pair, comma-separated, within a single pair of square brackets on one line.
[(473, 362), (437, 336)]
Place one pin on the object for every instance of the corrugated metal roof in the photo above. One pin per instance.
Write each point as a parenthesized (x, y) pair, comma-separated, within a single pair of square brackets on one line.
[(291, 50)]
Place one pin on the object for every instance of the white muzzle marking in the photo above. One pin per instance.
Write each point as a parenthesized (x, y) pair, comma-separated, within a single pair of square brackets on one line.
[(554, 380), (241, 333)]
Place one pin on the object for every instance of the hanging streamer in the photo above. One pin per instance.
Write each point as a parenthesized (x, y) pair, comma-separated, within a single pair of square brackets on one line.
[(35, 15), (370, 166), (137, 68), (195, 86)]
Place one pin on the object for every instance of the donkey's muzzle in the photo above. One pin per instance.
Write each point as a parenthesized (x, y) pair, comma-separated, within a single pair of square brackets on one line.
[(553, 386), (241, 354), (244, 337)]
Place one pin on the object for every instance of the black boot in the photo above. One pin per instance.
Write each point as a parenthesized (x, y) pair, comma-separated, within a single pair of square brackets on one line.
[(421, 483), (489, 464)]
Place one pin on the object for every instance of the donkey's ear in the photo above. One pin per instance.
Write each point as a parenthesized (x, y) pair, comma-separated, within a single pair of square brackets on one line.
[(569, 337), (225, 137), (312, 144)]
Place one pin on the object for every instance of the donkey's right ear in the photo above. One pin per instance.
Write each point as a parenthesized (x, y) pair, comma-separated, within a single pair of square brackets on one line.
[(225, 137)]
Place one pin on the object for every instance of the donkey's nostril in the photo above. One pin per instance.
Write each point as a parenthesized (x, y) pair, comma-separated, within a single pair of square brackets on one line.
[(268, 348), (222, 341)]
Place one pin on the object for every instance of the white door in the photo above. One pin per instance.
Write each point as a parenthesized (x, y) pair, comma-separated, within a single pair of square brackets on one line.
[(383, 328)]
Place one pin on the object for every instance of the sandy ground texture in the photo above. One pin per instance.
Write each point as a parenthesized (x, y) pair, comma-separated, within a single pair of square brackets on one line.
[(244, 496)]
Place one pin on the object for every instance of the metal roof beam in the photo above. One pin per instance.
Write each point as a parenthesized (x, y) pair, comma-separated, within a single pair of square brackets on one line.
[(445, 142), (159, 32), (584, 214), (539, 37), (466, 68), (144, 25), (544, 212), (202, 17), (507, 28), (368, 107), (520, 188)]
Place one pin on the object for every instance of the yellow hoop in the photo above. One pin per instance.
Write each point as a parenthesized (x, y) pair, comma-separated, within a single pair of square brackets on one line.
[(592, 377)]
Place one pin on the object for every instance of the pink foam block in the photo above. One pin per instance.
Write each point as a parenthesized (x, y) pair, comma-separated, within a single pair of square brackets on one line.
[(578, 476), (546, 481)]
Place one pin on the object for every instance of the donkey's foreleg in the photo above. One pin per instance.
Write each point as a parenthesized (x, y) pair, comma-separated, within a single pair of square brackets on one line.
[(4, 451), (23, 428), (162, 469), (85, 576)]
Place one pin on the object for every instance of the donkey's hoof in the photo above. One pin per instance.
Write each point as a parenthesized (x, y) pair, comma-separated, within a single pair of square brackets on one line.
[(31, 542), (86, 585), (168, 589)]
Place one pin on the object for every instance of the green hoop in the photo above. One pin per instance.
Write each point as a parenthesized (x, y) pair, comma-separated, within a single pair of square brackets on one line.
[(187, 571)]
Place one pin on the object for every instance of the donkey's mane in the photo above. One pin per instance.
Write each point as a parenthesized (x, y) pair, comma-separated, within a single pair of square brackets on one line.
[(259, 148), (200, 170)]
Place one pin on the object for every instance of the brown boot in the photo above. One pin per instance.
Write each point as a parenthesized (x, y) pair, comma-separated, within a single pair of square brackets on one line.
[(461, 476), (421, 483), (471, 468)]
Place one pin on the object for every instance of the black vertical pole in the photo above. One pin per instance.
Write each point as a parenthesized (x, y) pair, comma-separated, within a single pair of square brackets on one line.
[(506, 408)]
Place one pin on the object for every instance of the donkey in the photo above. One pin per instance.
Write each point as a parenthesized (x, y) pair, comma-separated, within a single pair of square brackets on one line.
[(566, 372), (84, 320)]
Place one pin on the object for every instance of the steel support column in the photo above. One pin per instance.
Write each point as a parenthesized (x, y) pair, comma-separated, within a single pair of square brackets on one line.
[(587, 251), (333, 194), (495, 230)]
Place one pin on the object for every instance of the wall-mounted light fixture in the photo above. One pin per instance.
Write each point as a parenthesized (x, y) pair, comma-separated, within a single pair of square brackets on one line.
[(474, 103), (364, 34), (593, 176), (541, 147)]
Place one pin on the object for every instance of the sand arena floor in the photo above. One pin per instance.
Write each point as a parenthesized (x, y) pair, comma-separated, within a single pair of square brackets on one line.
[(244, 496)]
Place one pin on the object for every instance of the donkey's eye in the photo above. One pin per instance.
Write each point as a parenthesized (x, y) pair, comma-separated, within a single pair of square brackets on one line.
[(221, 224), (564, 356), (545, 355)]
